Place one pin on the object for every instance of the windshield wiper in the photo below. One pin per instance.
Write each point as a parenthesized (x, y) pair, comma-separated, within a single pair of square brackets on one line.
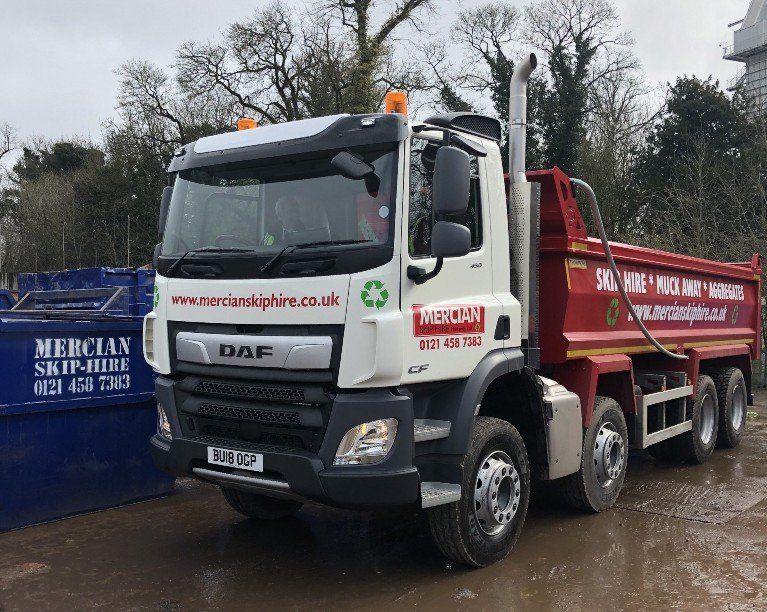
[(208, 249), (305, 245)]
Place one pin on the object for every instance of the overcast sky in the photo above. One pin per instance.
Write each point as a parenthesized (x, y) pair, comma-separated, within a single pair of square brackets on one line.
[(58, 56)]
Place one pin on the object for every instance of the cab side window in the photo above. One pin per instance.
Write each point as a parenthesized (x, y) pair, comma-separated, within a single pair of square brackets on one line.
[(421, 213)]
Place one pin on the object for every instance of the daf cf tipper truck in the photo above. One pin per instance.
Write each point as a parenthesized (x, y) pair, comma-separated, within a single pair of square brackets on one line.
[(366, 312)]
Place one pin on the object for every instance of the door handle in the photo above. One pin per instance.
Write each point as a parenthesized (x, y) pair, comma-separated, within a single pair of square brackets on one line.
[(503, 328)]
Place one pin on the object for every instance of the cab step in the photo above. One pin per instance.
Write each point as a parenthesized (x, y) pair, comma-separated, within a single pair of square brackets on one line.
[(427, 429), (439, 493)]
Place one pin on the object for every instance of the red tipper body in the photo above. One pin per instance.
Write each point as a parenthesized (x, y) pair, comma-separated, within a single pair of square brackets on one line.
[(703, 308), (685, 302)]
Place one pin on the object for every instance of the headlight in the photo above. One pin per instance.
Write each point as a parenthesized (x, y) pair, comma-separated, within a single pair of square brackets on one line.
[(163, 425), (367, 443)]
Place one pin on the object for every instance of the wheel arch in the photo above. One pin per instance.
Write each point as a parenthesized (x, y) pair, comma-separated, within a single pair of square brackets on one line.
[(516, 398), (608, 376), (741, 361), (459, 402)]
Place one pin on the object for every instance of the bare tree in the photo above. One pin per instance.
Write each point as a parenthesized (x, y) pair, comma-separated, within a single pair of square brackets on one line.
[(328, 55), (489, 33), (583, 44), (277, 66), (261, 64), (579, 28), (8, 140), (371, 45), (149, 104), (616, 128)]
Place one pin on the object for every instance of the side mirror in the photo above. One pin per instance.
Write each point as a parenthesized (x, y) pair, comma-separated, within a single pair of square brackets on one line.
[(450, 239), (167, 193), (447, 240), (452, 181)]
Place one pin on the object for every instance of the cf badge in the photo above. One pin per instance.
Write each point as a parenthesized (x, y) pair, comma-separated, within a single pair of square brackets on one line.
[(417, 369)]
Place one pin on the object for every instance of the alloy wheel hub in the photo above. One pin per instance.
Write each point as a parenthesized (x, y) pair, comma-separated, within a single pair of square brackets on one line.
[(497, 493), (609, 455), (738, 411), (707, 419)]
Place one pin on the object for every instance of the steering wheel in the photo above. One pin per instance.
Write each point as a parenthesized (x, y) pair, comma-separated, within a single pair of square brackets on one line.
[(232, 238)]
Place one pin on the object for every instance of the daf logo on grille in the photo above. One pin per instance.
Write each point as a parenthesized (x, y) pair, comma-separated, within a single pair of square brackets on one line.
[(245, 351), (288, 352)]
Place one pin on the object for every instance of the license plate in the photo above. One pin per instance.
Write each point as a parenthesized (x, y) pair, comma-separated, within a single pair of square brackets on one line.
[(242, 460)]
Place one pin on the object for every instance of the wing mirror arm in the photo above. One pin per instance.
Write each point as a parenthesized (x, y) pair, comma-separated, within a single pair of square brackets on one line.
[(419, 275)]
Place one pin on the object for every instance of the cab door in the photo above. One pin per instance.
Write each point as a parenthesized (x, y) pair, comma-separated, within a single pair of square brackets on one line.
[(450, 320)]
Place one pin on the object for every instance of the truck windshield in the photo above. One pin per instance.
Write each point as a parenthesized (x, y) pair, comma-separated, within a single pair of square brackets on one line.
[(264, 207)]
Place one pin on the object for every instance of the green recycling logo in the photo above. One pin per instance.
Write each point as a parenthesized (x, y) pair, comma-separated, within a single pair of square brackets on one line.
[(735, 314), (612, 313), (373, 295), (156, 297)]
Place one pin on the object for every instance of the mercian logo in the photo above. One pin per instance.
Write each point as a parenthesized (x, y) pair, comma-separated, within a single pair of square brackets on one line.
[(453, 319), (245, 351)]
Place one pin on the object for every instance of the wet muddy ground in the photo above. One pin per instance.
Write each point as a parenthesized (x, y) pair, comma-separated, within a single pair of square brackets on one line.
[(681, 537)]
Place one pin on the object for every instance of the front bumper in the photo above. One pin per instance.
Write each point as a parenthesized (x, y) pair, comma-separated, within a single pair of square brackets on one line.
[(300, 473)]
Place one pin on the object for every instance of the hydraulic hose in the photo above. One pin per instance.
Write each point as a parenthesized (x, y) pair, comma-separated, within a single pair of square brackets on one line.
[(597, 215)]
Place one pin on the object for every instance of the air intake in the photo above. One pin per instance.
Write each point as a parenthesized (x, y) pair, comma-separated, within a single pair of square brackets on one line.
[(275, 417), (251, 392), (479, 125)]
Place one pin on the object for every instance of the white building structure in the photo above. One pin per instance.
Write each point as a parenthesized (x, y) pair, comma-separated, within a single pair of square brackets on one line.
[(750, 48)]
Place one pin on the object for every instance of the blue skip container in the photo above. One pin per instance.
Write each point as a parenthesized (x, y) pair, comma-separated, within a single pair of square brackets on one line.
[(77, 407), (138, 284)]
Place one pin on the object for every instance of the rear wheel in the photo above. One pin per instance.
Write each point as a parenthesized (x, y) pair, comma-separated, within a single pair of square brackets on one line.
[(733, 405), (596, 486), (483, 526), (695, 446), (259, 506)]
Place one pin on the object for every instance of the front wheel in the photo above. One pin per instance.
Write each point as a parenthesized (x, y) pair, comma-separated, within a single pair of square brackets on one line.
[(483, 526)]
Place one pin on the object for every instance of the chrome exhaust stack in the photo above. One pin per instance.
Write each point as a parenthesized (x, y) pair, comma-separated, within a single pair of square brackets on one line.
[(518, 118), (524, 213)]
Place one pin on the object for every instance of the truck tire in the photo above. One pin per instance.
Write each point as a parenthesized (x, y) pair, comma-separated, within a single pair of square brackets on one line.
[(696, 446), (733, 405), (261, 507), (474, 530), (596, 486)]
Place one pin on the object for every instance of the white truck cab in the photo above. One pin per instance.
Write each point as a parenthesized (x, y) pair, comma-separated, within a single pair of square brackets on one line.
[(341, 317)]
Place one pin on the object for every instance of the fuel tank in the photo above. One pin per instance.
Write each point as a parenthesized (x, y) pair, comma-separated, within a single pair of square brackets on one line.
[(686, 302)]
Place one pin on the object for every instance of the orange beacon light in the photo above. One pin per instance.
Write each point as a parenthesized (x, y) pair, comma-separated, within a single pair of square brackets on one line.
[(396, 102), (246, 123)]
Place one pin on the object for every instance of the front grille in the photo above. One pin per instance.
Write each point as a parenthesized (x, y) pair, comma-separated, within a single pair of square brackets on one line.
[(255, 412), (302, 439), (249, 414), (251, 392), (283, 440), (220, 431)]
